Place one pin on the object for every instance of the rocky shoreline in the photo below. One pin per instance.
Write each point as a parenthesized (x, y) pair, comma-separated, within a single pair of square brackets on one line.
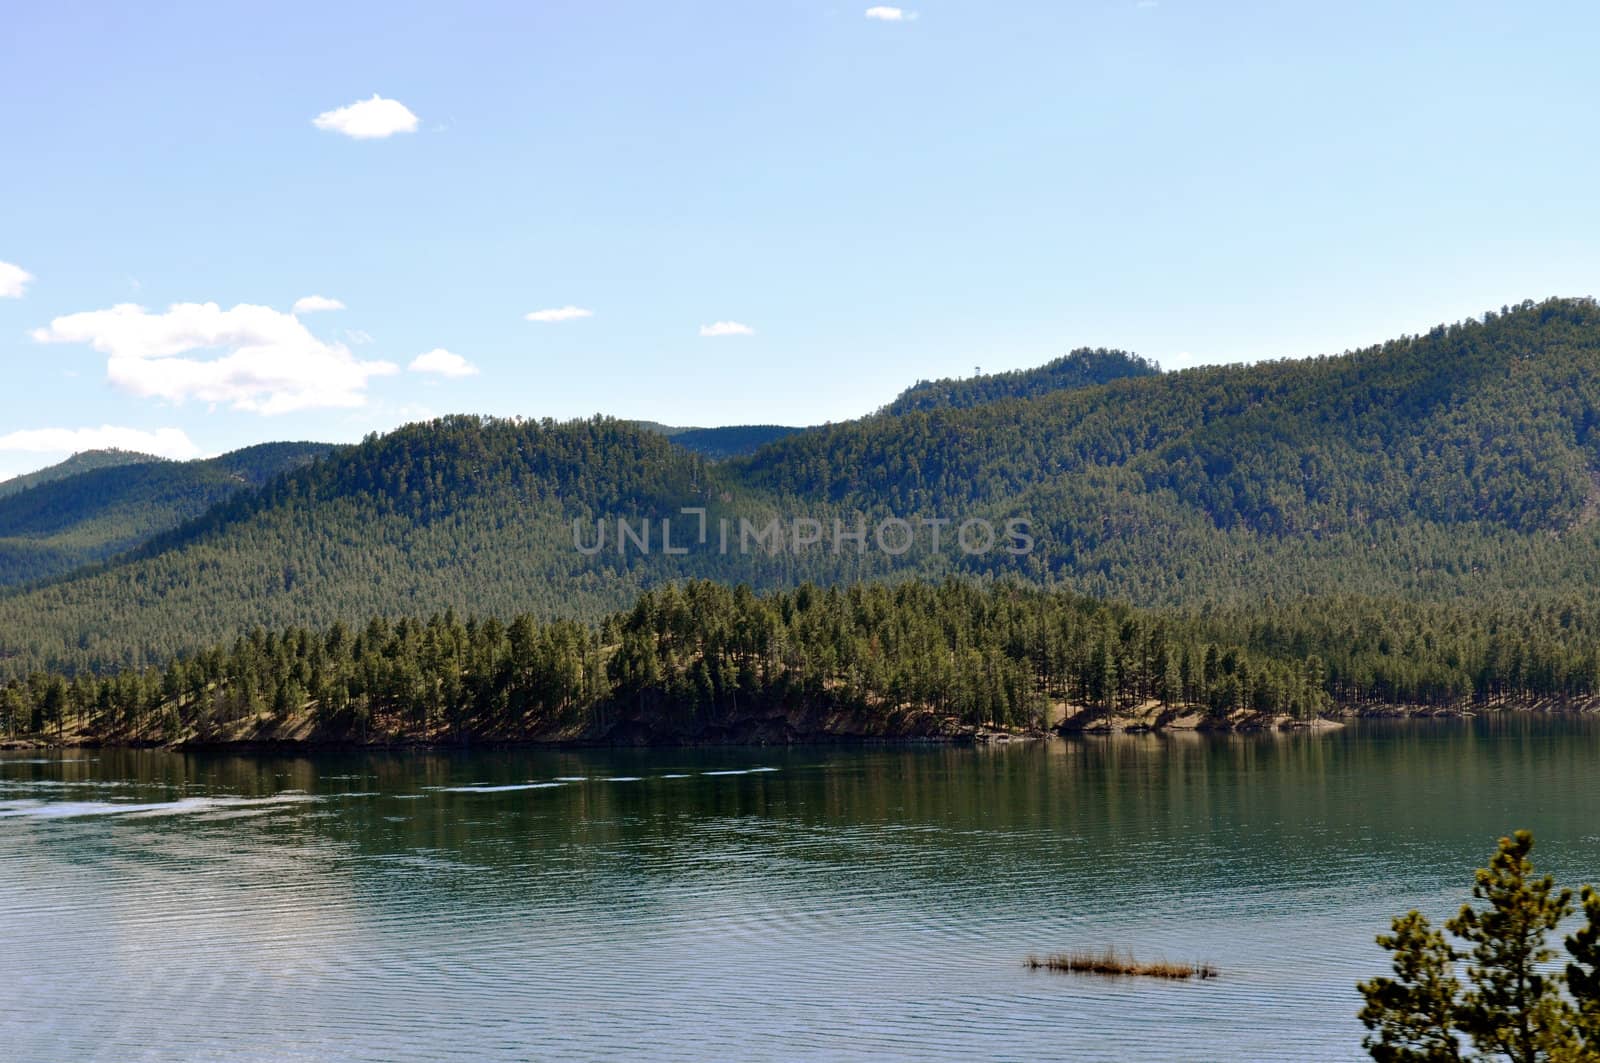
[(793, 727), (1152, 717)]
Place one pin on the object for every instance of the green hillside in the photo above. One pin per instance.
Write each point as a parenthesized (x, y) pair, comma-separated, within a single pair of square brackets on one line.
[(63, 522), (1455, 465)]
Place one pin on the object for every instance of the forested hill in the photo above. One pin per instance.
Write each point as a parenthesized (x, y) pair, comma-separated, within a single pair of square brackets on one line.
[(1459, 465), (99, 508), (1083, 368), (83, 461), (1489, 424)]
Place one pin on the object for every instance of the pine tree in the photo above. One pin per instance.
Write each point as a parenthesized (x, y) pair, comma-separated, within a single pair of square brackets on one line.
[(1413, 1015), (1583, 973), (1510, 1010), (1512, 1007)]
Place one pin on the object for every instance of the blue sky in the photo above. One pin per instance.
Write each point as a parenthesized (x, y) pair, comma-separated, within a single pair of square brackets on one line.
[(875, 200)]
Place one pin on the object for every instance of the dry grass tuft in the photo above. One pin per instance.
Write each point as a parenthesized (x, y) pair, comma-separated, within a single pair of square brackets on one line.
[(1110, 962)]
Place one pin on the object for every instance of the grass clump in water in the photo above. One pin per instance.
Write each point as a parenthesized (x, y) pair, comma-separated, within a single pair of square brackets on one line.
[(1111, 962)]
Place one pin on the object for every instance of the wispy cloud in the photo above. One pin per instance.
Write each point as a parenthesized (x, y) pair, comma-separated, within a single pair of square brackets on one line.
[(368, 119), (13, 280), (310, 304), (559, 313), (441, 362), (163, 442), (270, 363), (891, 14), (726, 328)]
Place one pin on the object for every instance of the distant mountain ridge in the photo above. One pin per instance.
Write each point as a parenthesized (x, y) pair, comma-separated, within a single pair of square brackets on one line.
[(86, 512), (731, 441), (1082, 368), (83, 461), (734, 441)]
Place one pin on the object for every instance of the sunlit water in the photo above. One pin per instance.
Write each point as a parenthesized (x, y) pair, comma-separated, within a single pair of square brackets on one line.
[(750, 903)]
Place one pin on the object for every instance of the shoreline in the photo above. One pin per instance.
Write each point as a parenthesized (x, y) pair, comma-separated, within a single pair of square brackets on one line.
[(771, 733), (1154, 718), (420, 745)]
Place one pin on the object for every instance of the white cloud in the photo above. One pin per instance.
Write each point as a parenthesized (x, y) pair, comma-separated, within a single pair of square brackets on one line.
[(891, 14), (726, 328), (560, 313), (270, 363), (368, 119), (443, 363), (357, 336), (13, 279), (164, 442), (310, 304)]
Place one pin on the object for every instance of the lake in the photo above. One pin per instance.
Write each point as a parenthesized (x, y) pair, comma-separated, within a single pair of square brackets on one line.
[(751, 903)]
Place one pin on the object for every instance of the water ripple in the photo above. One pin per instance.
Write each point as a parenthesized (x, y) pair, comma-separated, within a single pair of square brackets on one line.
[(816, 904)]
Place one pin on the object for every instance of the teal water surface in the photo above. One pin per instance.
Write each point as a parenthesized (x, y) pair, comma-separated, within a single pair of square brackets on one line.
[(750, 903)]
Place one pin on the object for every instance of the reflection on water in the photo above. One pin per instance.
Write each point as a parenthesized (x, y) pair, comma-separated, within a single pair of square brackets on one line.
[(750, 903)]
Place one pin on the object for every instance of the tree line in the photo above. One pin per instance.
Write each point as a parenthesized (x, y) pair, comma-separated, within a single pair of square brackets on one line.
[(687, 655), (682, 658)]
